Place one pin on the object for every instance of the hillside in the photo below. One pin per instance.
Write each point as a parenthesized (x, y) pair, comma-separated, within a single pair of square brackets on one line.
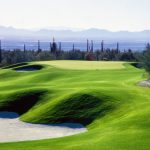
[(103, 96)]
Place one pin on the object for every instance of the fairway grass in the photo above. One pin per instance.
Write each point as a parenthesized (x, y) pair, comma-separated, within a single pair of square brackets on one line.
[(85, 65), (103, 96)]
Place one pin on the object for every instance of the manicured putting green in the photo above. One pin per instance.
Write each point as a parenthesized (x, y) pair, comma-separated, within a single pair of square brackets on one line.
[(85, 65)]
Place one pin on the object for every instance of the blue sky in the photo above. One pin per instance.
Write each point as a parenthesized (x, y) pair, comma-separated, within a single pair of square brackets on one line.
[(132, 15)]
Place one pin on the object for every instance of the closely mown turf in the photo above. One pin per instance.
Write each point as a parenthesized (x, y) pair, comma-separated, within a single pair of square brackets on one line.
[(103, 96), (84, 65)]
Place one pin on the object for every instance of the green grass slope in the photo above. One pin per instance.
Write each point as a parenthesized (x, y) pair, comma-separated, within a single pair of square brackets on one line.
[(84, 65), (106, 100)]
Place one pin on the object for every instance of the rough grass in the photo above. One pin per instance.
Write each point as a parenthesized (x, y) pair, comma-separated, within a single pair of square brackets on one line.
[(108, 101)]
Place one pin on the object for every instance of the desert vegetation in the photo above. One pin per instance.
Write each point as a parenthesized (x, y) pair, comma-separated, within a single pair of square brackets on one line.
[(146, 58), (55, 52)]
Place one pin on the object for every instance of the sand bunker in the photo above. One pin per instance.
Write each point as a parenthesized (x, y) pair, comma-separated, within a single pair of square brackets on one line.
[(25, 70), (12, 129), (29, 68), (145, 83)]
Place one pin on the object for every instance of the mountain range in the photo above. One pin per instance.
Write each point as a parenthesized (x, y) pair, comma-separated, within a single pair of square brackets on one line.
[(11, 33)]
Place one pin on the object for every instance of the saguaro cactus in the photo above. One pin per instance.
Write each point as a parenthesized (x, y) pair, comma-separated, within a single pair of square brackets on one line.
[(87, 45), (92, 46), (117, 47), (54, 46), (39, 48), (73, 47), (24, 48), (102, 46)]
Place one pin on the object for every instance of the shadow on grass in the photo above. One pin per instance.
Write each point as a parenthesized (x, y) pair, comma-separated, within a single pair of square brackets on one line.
[(137, 65), (22, 102), (15, 65), (81, 108)]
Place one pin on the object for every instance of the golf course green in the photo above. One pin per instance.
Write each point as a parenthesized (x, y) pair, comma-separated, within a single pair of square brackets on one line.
[(103, 96)]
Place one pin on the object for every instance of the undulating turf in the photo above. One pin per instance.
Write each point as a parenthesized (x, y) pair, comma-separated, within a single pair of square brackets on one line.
[(103, 96), (84, 65)]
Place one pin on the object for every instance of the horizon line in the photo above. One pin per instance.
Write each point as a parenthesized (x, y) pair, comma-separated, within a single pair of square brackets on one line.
[(74, 29)]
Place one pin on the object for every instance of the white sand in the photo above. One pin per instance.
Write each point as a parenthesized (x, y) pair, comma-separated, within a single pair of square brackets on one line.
[(12, 129), (145, 83)]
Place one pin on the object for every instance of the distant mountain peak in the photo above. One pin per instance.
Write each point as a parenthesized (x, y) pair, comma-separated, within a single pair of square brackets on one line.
[(91, 33)]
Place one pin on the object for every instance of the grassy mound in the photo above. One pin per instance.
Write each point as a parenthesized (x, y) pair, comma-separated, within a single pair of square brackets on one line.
[(106, 100), (80, 108), (77, 108)]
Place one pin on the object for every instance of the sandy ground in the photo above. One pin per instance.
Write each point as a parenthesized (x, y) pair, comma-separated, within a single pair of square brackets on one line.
[(145, 83), (12, 129)]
